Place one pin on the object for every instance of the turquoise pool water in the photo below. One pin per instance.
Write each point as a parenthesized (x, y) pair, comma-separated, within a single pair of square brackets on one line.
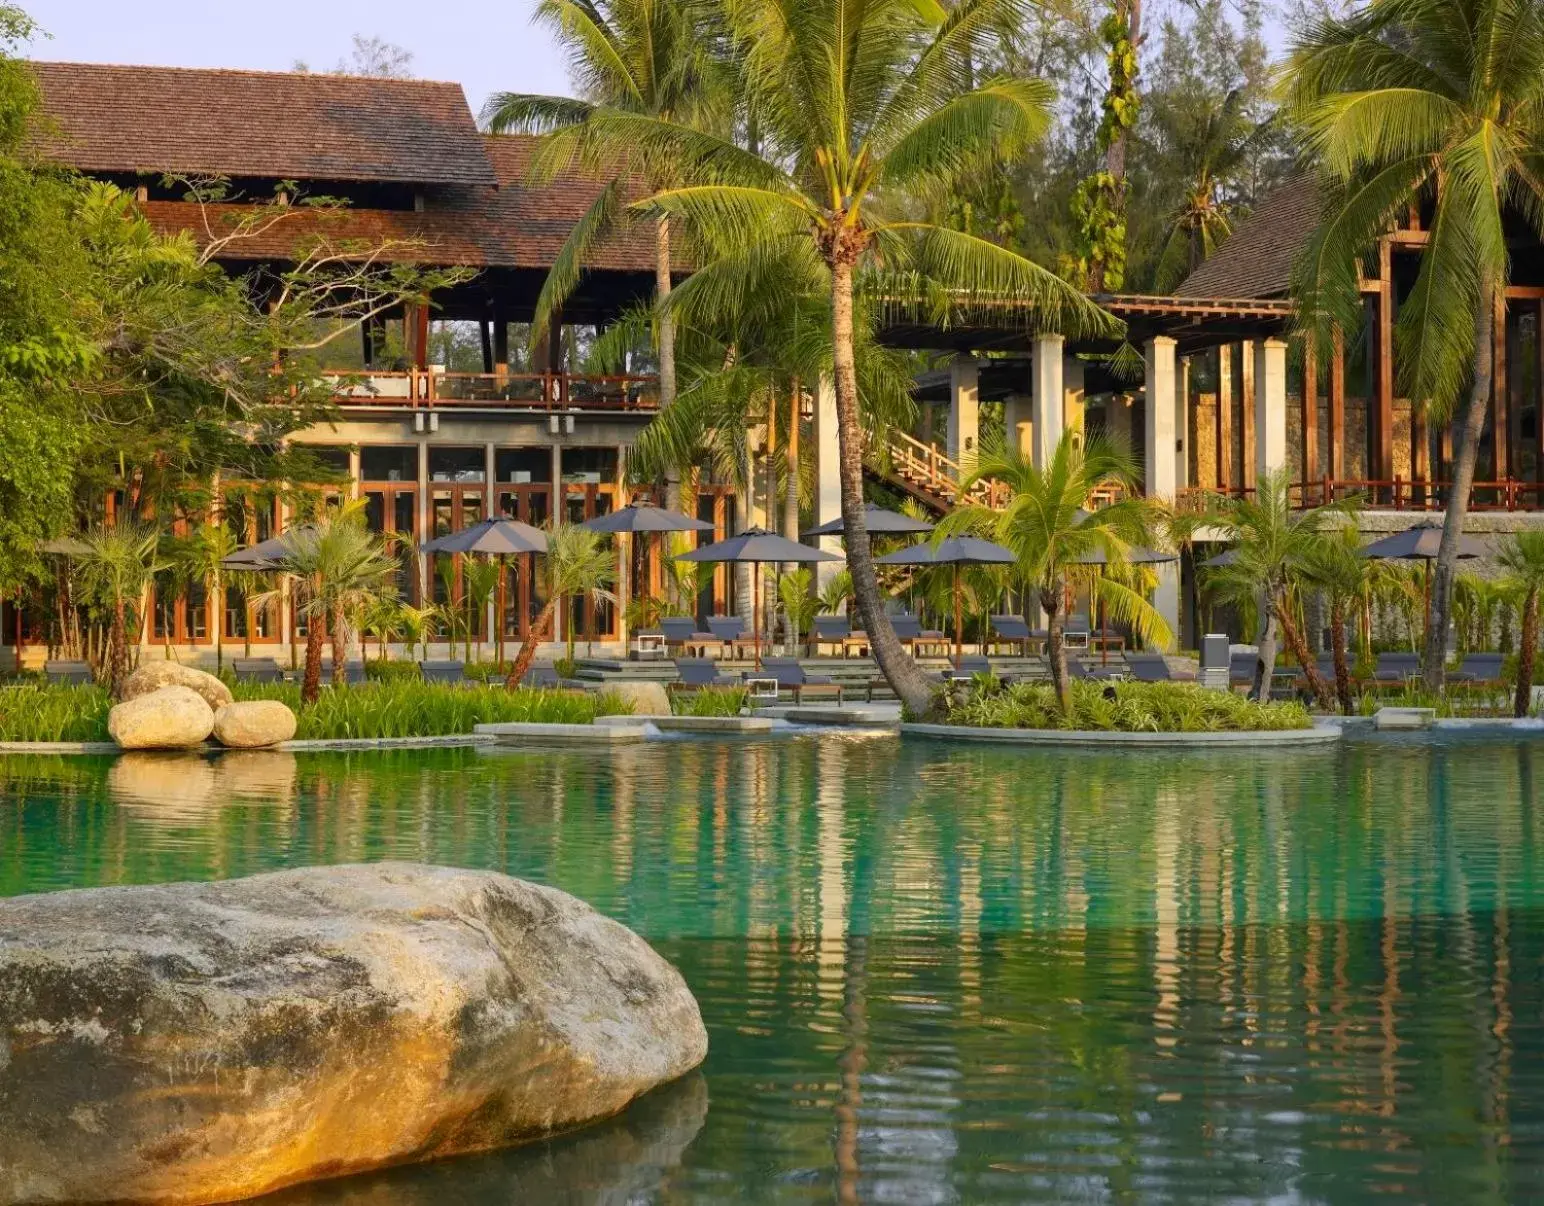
[(938, 974)]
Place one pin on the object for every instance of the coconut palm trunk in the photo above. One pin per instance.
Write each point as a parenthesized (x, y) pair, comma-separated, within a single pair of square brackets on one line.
[(118, 647), (903, 675), (1445, 570), (666, 320), (1293, 637), (339, 647), (1265, 660), (1055, 643), (1525, 654), (1338, 651), (536, 634), (311, 683)]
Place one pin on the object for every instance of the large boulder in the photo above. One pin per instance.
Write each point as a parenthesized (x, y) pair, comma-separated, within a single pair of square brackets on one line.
[(253, 724), (152, 676), (648, 698), (190, 1043), (173, 718)]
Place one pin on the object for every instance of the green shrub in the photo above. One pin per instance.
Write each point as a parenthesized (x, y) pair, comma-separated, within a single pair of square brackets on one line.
[(1118, 707), (44, 713), (392, 672), (710, 701)]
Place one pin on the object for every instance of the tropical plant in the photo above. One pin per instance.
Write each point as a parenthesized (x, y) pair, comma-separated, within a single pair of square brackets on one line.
[(338, 568), (577, 563), (1121, 707), (837, 592), (1522, 557), (858, 113), (1424, 103), (200, 558), (643, 58), (479, 582), (417, 625), (1051, 534), (1275, 551), (800, 606), (118, 564), (1335, 566)]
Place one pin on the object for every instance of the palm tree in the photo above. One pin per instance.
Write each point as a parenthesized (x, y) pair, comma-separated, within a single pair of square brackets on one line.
[(338, 568), (578, 563), (647, 58), (200, 558), (479, 582), (119, 563), (799, 603), (1276, 550), (1336, 566), (859, 113), (1408, 103), (1052, 535), (1522, 557)]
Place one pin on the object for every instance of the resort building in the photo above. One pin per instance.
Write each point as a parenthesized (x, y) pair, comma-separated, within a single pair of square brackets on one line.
[(432, 446)]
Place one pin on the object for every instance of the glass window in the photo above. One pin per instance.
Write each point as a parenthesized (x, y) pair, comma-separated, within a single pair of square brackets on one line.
[(333, 459), (586, 466), (393, 464), (456, 465), (523, 466)]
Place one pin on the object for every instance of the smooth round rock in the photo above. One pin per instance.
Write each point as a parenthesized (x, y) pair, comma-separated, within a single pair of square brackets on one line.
[(152, 676), (192, 1043), (252, 724), (647, 698), (173, 718)]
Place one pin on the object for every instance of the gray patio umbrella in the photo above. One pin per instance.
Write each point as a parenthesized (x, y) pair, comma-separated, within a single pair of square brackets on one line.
[(64, 546), (877, 520), (1135, 555), (1421, 544), (640, 518), (499, 538), (955, 551), (265, 554), (757, 546)]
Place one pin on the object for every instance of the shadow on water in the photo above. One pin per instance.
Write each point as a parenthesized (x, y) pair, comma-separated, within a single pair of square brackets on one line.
[(622, 1160)]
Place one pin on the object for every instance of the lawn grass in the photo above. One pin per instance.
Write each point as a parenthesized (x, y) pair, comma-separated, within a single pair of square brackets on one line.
[(384, 709)]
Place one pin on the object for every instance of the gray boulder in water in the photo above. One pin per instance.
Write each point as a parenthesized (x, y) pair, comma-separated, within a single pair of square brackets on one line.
[(206, 1042)]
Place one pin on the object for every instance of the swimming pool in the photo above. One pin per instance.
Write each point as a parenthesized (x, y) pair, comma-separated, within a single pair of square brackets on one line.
[(935, 973)]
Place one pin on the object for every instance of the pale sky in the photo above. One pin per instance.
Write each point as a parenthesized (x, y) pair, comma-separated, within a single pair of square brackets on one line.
[(485, 45)]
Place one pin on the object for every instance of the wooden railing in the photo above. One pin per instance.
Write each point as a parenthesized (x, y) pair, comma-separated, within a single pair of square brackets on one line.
[(1392, 494), (419, 389), (922, 470)]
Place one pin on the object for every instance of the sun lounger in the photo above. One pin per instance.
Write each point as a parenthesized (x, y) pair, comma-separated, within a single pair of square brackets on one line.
[(544, 676), (1479, 670), (1149, 668), (1013, 630), (694, 673), (791, 677), (257, 670), (729, 632), (681, 634), (1078, 669), (909, 630), (453, 673), (1396, 667), (67, 674), (837, 630)]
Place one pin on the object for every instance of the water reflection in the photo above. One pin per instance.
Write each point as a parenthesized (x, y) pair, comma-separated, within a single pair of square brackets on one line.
[(940, 974)]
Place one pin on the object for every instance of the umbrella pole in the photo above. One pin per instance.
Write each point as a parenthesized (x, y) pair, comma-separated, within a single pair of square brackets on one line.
[(1426, 592), (756, 610), (498, 618), (958, 621)]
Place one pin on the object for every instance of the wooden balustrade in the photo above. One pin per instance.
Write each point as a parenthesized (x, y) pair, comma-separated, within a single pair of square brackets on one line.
[(418, 389), (1389, 494)]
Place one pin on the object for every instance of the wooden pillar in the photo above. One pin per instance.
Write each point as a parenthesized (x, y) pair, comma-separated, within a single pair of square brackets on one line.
[(1225, 417), (1310, 408), (1385, 361), (418, 316), (555, 344), (1500, 424), (500, 342), (1337, 457), (1247, 410), (485, 335)]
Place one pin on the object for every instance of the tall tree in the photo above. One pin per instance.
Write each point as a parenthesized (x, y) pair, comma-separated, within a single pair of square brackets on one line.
[(1431, 103), (1522, 557), (862, 111)]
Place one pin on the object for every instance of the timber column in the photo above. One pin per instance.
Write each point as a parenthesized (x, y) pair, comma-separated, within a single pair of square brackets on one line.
[(828, 476), (1159, 456), (1049, 398)]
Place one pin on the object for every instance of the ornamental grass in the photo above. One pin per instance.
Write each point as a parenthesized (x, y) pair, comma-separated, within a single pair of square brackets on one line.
[(1117, 708)]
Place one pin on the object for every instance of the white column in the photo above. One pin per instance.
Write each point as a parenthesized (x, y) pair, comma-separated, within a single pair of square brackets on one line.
[(828, 475), (1158, 456), (1182, 424), (1072, 394), (1270, 399), (1048, 397), (1018, 422), (964, 411)]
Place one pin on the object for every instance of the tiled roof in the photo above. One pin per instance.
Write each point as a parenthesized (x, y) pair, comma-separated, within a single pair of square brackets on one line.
[(109, 118), (1256, 260), (513, 226)]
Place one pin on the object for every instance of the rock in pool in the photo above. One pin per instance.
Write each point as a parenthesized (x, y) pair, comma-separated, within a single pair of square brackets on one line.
[(152, 676), (647, 698), (191, 1043), (172, 718), (253, 724)]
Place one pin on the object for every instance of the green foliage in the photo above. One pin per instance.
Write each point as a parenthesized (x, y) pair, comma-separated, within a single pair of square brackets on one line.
[(1119, 707), (49, 713), (710, 701)]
